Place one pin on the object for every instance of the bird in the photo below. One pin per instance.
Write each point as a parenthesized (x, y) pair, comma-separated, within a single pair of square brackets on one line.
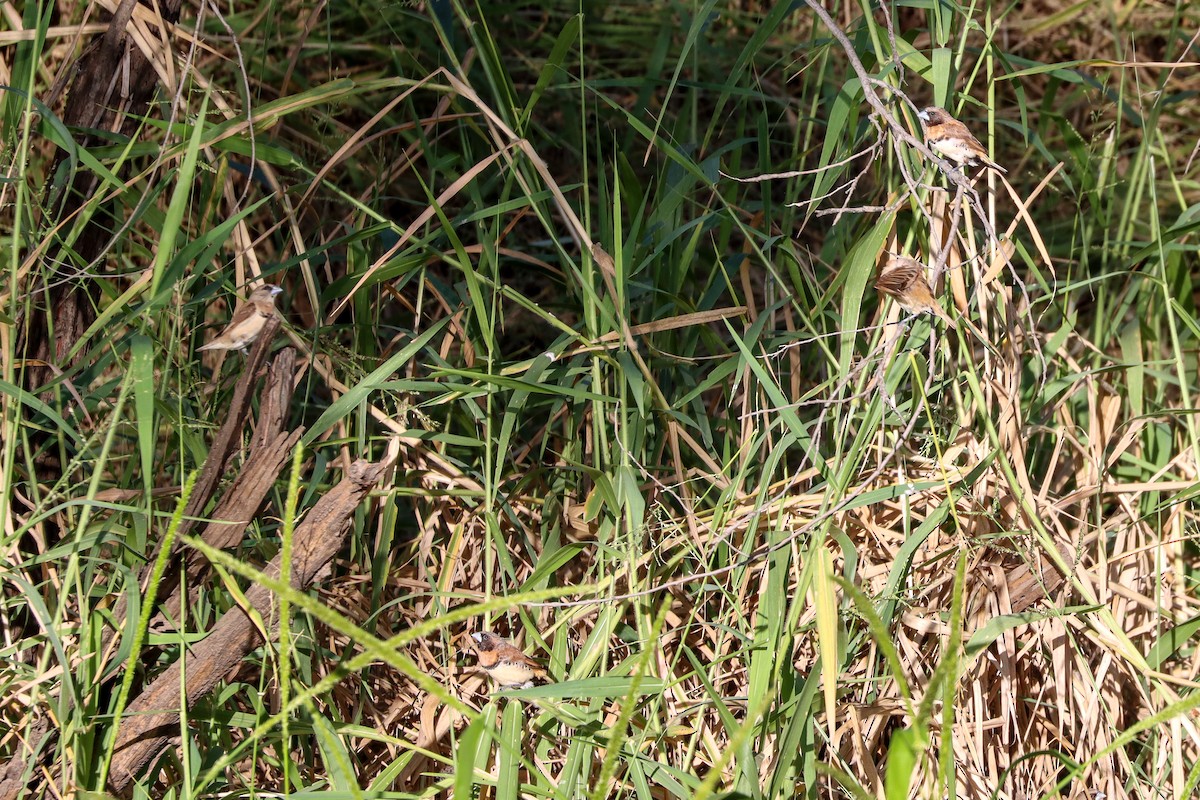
[(504, 663), (903, 278), (950, 139), (248, 320)]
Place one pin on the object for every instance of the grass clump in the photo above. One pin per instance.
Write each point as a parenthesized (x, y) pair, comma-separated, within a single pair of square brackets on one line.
[(589, 291)]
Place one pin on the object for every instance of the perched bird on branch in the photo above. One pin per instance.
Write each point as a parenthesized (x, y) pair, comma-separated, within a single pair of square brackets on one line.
[(903, 278), (504, 663), (248, 320), (950, 139)]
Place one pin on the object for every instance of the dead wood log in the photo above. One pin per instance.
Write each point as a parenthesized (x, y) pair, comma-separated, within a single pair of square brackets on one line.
[(270, 451), (151, 723)]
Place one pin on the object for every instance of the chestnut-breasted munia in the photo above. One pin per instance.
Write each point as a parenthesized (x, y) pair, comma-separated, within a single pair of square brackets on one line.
[(950, 139), (504, 663)]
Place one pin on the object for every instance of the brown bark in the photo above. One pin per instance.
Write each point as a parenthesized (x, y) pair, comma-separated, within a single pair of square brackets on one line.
[(270, 449), (1028, 586)]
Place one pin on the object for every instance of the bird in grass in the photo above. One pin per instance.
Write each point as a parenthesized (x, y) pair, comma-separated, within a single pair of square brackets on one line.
[(504, 663), (950, 139), (248, 320), (903, 278)]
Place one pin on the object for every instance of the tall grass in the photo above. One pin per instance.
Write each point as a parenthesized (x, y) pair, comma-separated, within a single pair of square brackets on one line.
[(602, 275)]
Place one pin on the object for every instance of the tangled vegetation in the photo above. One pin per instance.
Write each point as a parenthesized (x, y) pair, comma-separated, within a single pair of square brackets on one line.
[(579, 343)]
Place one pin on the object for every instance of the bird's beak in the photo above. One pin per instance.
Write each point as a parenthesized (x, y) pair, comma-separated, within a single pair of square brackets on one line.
[(923, 116), (276, 290), (478, 637)]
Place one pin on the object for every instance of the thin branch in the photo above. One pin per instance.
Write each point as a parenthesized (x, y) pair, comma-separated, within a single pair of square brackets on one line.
[(800, 172)]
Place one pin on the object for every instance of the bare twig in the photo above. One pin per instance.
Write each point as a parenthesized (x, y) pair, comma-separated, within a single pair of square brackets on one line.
[(895, 206), (770, 176)]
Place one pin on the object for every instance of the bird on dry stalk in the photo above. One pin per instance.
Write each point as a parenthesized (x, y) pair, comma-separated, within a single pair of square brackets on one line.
[(903, 278), (247, 322), (951, 139)]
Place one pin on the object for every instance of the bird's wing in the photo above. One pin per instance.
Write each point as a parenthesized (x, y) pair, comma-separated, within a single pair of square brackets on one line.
[(953, 128), (526, 663), (515, 656), (896, 280), (242, 313)]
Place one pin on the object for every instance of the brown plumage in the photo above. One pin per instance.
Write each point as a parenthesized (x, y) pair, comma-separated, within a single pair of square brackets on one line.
[(904, 279), (247, 322), (504, 663), (950, 139)]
